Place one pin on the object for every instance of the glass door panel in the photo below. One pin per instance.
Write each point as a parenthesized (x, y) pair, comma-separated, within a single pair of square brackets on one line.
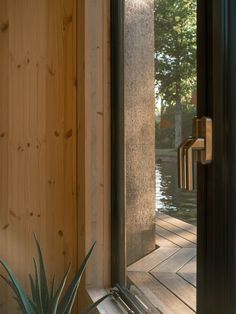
[(161, 219), (154, 223), (175, 101)]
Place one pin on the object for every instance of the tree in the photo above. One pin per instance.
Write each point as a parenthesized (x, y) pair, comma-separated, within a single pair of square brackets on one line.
[(175, 56)]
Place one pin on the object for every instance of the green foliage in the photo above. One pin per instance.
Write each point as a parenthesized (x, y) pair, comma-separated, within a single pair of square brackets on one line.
[(44, 300), (175, 66), (175, 49)]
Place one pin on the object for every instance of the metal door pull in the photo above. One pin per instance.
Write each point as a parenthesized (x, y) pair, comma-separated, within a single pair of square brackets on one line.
[(197, 148)]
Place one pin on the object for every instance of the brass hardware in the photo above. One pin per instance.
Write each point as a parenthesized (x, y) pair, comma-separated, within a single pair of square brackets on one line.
[(182, 163), (196, 148)]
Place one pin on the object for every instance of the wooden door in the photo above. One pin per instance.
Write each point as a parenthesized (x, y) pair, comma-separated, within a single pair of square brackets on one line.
[(37, 137)]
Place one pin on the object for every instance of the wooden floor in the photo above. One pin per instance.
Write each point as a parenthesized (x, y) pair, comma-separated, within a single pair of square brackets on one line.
[(167, 276)]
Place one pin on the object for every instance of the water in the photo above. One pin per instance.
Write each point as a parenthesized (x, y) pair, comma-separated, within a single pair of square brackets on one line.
[(171, 200)]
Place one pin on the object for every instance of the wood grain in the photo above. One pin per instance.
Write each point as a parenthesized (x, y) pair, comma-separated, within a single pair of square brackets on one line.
[(163, 242), (153, 259), (189, 272), (173, 265), (176, 261), (38, 153), (97, 138), (55, 136), (177, 222), (159, 295), (176, 230), (4, 122), (181, 288), (174, 238)]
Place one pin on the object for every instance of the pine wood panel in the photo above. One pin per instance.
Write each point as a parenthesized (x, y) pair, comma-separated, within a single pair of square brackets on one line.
[(97, 137), (4, 102), (38, 149), (93, 114)]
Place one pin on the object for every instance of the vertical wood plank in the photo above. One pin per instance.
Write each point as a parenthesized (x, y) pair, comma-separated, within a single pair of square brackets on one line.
[(107, 143), (97, 128), (4, 102), (54, 147), (38, 154)]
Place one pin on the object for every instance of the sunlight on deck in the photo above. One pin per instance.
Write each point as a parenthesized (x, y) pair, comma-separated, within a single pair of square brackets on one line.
[(167, 276)]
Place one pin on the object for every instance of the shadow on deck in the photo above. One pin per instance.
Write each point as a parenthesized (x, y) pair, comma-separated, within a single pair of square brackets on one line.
[(167, 276)]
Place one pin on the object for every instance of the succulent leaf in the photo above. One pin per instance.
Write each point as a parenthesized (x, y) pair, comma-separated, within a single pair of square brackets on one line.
[(53, 306), (22, 296), (42, 278), (42, 301), (52, 288), (95, 304), (33, 289), (67, 302), (38, 299)]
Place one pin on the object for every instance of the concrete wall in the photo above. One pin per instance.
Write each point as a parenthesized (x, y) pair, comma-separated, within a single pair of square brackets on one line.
[(139, 128)]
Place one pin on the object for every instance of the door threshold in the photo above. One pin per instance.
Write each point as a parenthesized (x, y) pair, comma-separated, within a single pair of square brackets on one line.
[(108, 306)]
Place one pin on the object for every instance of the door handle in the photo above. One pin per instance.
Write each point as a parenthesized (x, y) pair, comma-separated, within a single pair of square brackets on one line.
[(197, 148)]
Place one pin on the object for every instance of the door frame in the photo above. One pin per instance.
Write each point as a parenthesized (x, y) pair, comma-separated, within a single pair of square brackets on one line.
[(217, 183), (94, 146), (216, 275), (118, 252)]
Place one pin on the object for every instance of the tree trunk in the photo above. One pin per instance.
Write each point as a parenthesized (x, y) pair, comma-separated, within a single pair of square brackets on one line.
[(178, 117)]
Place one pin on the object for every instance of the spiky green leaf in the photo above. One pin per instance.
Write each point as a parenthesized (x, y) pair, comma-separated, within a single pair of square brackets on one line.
[(22, 296), (42, 277), (16, 297), (52, 288), (53, 306), (92, 306), (67, 302), (38, 299), (33, 289), (21, 306)]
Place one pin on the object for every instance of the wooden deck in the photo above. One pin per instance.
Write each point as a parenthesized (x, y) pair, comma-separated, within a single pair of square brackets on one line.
[(167, 276)]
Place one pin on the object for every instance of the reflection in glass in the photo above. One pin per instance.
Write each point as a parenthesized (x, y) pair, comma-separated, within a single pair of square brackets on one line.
[(175, 88)]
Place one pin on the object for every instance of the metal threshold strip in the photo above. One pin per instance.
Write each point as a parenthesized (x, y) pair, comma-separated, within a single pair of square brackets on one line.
[(129, 302)]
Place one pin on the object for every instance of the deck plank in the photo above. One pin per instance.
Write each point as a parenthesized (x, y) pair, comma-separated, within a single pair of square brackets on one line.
[(176, 230), (176, 261), (152, 260), (163, 242), (163, 299), (174, 238), (167, 276), (177, 222), (189, 272), (181, 288)]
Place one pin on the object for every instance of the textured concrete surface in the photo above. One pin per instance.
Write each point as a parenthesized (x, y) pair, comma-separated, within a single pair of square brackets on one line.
[(139, 128)]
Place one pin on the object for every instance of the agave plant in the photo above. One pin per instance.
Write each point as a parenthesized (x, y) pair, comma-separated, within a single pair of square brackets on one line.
[(45, 299)]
